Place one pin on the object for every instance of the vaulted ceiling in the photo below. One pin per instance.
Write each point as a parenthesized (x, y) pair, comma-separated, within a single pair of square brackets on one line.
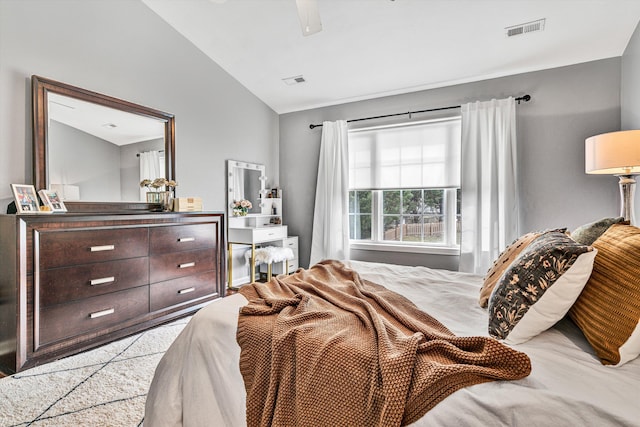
[(371, 48)]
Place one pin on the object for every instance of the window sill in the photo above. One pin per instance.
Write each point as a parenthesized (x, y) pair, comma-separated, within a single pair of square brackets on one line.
[(420, 249)]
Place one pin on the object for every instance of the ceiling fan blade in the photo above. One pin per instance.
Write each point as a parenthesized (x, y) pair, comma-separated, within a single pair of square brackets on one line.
[(309, 16)]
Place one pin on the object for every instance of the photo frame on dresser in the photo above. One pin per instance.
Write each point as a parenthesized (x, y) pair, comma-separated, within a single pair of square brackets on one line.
[(26, 198), (51, 199)]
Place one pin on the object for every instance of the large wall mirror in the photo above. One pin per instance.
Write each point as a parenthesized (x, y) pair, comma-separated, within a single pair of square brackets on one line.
[(90, 147), (246, 181)]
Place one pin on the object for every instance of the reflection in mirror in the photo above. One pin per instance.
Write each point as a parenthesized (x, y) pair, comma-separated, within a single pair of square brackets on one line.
[(93, 148), (94, 151), (246, 181)]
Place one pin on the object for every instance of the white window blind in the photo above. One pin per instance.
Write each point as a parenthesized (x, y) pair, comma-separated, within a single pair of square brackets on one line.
[(417, 155)]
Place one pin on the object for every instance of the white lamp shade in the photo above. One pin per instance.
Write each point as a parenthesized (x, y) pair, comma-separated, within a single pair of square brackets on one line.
[(614, 153)]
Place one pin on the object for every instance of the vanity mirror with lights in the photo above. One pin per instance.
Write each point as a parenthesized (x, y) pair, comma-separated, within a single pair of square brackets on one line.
[(112, 265), (261, 226), (246, 181)]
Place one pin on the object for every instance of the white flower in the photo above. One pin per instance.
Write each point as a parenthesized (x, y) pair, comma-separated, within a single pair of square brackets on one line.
[(242, 204), (158, 183)]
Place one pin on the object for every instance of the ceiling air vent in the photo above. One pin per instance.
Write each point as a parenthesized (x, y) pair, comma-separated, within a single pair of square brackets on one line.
[(294, 80), (525, 28)]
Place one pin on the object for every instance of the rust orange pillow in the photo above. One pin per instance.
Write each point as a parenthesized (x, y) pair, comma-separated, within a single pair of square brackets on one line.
[(608, 309)]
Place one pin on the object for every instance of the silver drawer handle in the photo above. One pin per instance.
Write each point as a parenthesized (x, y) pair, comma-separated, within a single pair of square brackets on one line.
[(186, 239), (102, 313), (102, 281), (187, 265), (102, 248), (186, 291)]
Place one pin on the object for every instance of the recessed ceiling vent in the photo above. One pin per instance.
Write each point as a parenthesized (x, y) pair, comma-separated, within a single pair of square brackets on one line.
[(294, 80), (525, 28)]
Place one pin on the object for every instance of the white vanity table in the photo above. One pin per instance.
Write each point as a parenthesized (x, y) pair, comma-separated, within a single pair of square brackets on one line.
[(253, 236), (262, 226)]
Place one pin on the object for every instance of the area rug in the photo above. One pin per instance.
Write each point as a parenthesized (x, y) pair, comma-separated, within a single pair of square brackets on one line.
[(106, 386)]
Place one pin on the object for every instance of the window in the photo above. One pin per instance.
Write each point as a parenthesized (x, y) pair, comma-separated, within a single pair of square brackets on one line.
[(405, 185)]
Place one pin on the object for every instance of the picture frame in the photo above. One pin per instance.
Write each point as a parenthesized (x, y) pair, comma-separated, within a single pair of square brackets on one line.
[(26, 199), (51, 199)]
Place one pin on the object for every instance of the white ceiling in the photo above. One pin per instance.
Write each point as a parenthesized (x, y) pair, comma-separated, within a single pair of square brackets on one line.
[(371, 48), (116, 126)]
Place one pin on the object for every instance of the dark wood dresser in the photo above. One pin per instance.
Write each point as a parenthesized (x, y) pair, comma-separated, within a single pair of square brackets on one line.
[(70, 282)]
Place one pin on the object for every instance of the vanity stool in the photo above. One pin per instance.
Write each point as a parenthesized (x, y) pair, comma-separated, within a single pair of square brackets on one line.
[(270, 254)]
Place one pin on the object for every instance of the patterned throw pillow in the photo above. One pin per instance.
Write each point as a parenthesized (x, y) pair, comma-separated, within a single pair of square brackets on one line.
[(504, 260), (608, 310), (588, 233), (538, 289)]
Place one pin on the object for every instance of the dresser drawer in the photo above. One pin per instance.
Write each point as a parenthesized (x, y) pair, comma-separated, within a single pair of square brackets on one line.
[(68, 320), (179, 264), (293, 266), (88, 280), (178, 291), (257, 235), (176, 238), (269, 233), (291, 242), (66, 248)]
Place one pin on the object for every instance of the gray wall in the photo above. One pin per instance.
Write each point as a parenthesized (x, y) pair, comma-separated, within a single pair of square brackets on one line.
[(123, 49), (630, 91), (569, 104), (78, 158)]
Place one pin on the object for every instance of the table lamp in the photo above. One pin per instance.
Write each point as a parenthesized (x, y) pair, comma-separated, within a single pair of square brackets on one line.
[(616, 153)]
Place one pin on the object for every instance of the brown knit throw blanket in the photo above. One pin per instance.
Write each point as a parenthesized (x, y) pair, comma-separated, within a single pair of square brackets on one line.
[(324, 347)]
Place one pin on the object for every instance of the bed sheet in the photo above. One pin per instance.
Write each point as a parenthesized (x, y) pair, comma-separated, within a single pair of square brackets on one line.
[(198, 381)]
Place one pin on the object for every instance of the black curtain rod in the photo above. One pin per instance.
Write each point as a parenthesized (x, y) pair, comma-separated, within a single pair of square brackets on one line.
[(159, 151), (524, 98)]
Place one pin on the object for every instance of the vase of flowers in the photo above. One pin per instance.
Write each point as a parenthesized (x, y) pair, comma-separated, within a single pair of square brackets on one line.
[(160, 191), (241, 207)]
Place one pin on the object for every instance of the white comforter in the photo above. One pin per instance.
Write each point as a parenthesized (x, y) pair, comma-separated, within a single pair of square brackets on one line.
[(198, 381)]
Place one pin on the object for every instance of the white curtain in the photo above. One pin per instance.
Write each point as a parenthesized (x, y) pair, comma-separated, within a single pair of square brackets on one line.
[(330, 238), (490, 202), (151, 167), (238, 185)]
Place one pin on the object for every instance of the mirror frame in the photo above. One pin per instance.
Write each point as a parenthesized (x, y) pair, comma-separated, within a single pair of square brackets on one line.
[(40, 88)]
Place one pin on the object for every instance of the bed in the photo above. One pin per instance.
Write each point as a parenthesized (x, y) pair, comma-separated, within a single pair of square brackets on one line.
[(198, 381)]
